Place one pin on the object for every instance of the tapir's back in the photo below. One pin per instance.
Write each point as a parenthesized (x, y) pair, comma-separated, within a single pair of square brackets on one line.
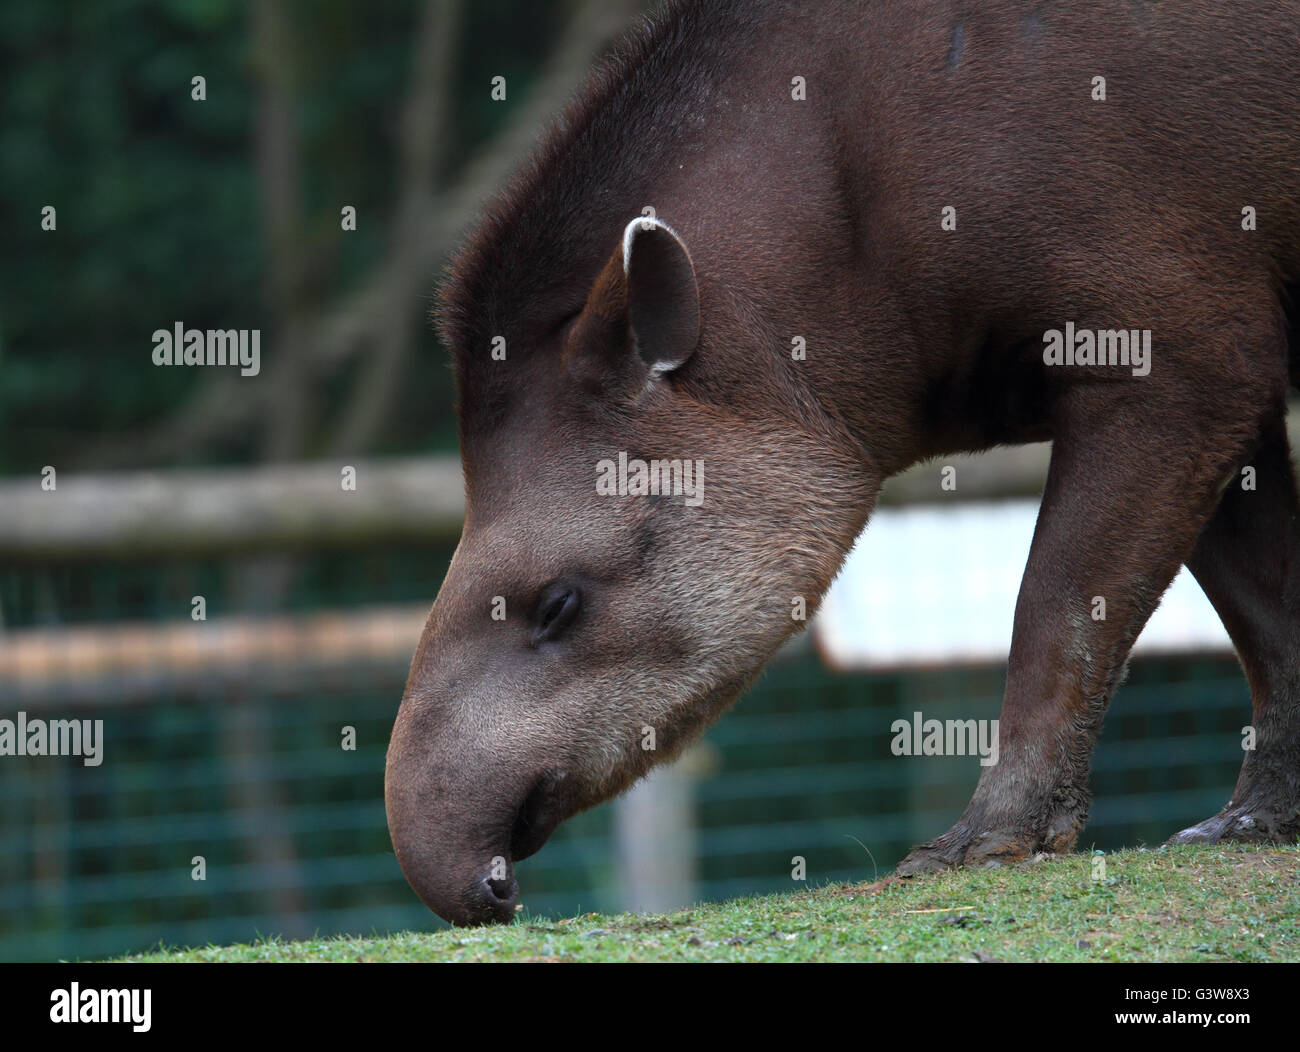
[(1088, 117), (831, 135), (1014, 165)]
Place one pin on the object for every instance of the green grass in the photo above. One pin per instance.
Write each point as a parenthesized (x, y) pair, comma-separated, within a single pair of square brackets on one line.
[(1172, 904)]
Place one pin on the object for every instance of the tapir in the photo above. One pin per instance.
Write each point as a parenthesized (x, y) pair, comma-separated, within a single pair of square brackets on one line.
[(796, 248)]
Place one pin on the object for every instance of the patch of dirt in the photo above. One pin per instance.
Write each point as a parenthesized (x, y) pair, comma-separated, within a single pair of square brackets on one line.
[(1163, 918), (655, 924), (869, 889), (1283, 862), (980, 957)]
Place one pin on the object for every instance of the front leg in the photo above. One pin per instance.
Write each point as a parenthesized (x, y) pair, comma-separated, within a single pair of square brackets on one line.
[(1130, 487)]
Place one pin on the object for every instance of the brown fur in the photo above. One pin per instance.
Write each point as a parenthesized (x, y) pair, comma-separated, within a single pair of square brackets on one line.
[(821, 219)]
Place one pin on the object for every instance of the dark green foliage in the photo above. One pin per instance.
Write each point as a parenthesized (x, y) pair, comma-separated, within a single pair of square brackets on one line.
[(160, 205)]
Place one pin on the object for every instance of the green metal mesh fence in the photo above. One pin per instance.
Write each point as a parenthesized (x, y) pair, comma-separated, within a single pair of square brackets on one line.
[(251, 775)]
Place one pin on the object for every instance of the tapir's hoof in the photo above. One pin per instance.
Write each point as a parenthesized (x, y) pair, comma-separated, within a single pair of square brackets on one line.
[(957, 847), (1240, 825), (928, 858)]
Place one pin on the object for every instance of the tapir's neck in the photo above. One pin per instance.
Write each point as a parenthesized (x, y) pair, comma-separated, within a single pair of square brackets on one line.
[(825, 243), (769, 182)]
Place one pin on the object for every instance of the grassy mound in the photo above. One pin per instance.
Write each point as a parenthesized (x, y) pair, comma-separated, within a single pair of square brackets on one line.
[(1173, 904)]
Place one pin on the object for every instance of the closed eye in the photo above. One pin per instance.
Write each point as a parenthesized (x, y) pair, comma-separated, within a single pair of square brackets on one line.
[(556, 609)]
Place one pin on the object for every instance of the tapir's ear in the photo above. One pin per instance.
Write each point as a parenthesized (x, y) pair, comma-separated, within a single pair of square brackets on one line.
[(663, 300)]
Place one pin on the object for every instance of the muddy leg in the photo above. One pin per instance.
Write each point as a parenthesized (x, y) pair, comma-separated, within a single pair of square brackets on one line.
[(1129, 490), (1248, 562)]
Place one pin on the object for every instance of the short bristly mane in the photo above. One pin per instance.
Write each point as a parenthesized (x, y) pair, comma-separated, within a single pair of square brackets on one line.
[(531, 257)]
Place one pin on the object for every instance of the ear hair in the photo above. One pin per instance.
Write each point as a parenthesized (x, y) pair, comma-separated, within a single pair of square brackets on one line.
[(641, 224), (662, 295)]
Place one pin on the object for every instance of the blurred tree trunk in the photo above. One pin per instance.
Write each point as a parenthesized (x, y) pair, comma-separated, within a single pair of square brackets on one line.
[(424, 130), (374, 326)]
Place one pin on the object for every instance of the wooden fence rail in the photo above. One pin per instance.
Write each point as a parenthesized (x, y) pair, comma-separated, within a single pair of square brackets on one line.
[(297, 507)]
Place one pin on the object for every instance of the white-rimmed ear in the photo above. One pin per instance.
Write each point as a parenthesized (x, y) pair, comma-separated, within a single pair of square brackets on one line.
[(663, 299)]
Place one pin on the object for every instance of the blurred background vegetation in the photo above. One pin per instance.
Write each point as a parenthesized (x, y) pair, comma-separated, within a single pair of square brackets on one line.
[(226, 213)]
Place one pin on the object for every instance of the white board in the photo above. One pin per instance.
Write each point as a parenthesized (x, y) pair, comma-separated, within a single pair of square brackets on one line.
[(937, 585)]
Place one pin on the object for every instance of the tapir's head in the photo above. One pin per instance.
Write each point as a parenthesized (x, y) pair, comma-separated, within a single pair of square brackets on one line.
[(654, 504)]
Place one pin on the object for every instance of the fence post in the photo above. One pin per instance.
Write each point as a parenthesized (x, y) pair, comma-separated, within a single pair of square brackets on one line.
[(655, 834)]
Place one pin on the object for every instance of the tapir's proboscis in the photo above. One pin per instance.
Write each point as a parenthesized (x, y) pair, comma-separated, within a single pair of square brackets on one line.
[(776, 252)]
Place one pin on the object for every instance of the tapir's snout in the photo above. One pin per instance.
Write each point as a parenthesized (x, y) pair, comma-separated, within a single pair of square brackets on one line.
[(457, 857), (459, 820), (438, 872), (487, 900)]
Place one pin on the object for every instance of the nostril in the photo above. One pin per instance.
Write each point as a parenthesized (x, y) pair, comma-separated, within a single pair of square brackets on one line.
[(501, 890)]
